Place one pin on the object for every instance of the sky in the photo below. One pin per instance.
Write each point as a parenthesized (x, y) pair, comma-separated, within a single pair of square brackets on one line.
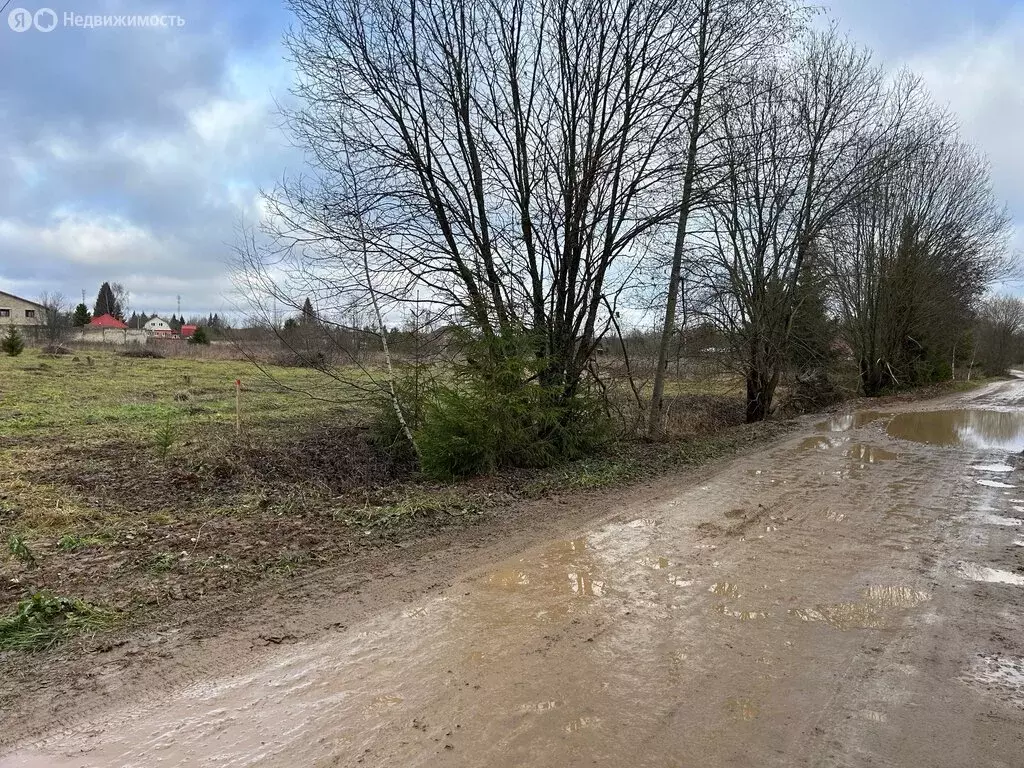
[(132, 154)]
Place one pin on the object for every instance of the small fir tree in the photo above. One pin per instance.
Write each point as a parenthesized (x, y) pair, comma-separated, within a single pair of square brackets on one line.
[(12, 343)]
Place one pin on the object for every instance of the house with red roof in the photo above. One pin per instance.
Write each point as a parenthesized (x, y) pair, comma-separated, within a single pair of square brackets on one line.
[(107, 321), (187, 331)]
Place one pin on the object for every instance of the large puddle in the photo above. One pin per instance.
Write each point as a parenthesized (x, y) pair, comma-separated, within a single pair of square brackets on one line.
[(968, 428)]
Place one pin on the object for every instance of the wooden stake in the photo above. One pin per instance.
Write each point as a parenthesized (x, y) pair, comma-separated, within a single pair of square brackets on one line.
[(238, 406)]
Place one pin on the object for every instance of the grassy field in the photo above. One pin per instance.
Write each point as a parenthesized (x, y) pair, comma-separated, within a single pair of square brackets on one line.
[(107, 396), (125, 490)]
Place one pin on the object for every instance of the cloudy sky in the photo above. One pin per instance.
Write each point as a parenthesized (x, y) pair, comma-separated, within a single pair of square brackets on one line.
[(131, 154)]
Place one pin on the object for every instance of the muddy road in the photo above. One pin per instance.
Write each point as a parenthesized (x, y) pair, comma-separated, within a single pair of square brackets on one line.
[(851, 596)]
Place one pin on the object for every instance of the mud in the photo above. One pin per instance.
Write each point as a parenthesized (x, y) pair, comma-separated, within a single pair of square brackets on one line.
[(838, 603)]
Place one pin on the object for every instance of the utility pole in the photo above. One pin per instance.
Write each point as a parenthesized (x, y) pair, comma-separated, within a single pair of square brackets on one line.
[(179, 305)]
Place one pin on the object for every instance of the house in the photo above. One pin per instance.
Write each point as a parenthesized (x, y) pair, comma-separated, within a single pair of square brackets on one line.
[(107, 321), (15, 310), (187, 331), (158, 327)]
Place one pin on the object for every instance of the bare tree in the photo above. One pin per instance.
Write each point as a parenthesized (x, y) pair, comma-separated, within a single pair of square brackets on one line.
[(796, 149), (914, 255), (510, 159), (56, 318), (726, 39), (122, 300)]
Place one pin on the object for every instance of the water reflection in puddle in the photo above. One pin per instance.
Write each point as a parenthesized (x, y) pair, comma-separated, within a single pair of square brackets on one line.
[(992, 467), (969, 428), (725, 589), (741, 615), (847, 421), (994, 484), (875, 611), (870, 454), (820, 443), (977, 572), (565, 566)]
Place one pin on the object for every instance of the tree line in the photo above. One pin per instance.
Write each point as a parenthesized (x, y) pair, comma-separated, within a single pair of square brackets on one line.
[(540, 171)]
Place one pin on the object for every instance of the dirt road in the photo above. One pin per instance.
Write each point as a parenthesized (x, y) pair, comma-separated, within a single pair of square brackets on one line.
[(852, 596)]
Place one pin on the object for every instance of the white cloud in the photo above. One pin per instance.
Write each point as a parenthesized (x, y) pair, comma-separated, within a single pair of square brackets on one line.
[(979, 75), (87, 240)]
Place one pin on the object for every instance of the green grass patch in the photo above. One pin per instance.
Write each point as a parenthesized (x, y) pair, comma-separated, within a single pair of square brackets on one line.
[(115, 396), (44, 620), (72, 542)]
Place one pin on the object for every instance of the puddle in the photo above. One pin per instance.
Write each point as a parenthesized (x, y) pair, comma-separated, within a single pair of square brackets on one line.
[(994, 484), (741, 615), (869, 454), (580, 724), (847, 421), (968, 428), (539, 706), (993, 575), (820, 442), (725, 589), (875, 611), (744, 709), (895, 597), (565, 566), (657, 563), (1001, 676), (993, 467), (873, 716)]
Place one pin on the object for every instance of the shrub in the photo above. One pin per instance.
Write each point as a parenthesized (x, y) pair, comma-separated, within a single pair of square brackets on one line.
[(475, 429), (199, 336), (490, 414), (12, 343), (386, 432)]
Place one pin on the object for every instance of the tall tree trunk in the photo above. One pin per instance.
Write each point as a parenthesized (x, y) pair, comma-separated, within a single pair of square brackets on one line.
[(655, 415)]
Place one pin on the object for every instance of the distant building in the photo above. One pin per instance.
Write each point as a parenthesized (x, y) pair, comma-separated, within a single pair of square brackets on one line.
[(107, 321), (15, 310), (158, 327), (187, 331)]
